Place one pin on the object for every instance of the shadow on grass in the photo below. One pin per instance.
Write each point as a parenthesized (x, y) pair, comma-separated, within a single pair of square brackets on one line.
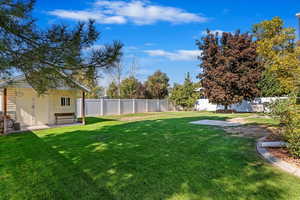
[(31, 169), (171, 159), (94, 120)]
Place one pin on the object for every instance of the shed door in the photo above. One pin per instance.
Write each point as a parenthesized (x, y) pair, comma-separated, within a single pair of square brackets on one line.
[(32, 109), (25, 108), (41, 110)]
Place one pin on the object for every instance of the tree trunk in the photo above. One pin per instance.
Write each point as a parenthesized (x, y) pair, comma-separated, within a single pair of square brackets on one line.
[(226, 107)]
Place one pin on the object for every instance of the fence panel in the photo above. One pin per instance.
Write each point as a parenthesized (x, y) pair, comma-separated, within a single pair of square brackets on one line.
[(141, 105), (153, 105), (111, 106), (93, 108), (127, 106), (256, 105), (163, 105), (98, 107)]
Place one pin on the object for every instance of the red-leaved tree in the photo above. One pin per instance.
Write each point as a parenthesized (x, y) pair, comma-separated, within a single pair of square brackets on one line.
[(230, 69)]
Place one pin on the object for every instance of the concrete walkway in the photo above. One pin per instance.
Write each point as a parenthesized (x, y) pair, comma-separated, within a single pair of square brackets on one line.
[(41, 127), (216, 123)]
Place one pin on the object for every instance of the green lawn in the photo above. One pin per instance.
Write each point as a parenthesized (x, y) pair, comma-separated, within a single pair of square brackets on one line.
[(151, 156)]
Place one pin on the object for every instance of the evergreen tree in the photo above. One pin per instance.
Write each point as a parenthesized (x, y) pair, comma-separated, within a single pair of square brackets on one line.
[(185, 96), (48, 57)]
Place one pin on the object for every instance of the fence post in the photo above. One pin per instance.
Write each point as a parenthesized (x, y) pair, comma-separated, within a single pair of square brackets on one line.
[(133, 105), (102, 106), (119, 106), (147, 106), (158, 105)]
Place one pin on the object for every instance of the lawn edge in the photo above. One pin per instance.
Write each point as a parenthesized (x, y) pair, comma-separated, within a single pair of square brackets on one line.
[(275, 161)]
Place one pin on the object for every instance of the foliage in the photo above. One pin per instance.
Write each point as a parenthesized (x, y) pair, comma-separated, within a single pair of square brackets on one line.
[(230, 68), (131, 88), (287, 112), (157, 85), (112, 91), (279, 54), (270, 86), (117, 73), (89, 78), (51, 56), (185, 95)]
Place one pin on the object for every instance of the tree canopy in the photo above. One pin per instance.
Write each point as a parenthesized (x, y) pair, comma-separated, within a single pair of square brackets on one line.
[(230, 70), (157, 85), (185, 95), (51, 56), (132, 88), (279, 53), (113, 91)]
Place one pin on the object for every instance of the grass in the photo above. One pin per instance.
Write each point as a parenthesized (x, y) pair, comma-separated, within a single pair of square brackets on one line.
[(159, 156)]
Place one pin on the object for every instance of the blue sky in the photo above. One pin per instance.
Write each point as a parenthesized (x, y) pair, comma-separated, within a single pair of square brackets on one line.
[(161, 34)]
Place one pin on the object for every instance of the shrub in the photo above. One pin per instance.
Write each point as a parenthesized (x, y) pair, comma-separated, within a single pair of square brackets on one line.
[(294, 142), (286, 111)]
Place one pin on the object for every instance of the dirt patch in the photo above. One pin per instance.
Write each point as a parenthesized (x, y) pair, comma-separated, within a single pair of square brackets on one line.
[(249, 131), (283, 154), (243, 120), (137, 118)]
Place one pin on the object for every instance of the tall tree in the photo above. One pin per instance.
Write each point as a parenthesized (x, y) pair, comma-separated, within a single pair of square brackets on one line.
[(113, 91), (186, 95), (131, 88), (157, 85), (117, 74), (230, 68), (279, 54), (47, 57)]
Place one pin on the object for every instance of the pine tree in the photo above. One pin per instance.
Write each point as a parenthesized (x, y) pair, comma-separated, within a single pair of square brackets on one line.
[(48, 57), (185, 95)]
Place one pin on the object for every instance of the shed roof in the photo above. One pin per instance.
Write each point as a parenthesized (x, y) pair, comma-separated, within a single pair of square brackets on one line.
[(22, 78)]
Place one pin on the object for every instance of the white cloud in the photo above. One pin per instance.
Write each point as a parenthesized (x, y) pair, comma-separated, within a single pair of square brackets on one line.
[(135, 11), (86, 15), (94, 47), (220, 32), (130, 48), (148, 44), (184, 55)]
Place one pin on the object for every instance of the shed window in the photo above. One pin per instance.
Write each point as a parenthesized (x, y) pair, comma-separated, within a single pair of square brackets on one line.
[(65, 101)]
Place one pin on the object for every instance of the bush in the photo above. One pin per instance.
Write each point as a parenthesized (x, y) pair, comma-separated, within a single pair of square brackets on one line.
[(294, 143), (286, 111)]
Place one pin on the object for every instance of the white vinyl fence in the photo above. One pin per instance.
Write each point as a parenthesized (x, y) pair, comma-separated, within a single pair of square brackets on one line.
[(257, 105), (101, 107)]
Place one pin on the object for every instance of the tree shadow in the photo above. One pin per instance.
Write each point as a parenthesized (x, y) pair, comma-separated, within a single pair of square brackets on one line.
[(94, 120), (171, 159), (31, 169)]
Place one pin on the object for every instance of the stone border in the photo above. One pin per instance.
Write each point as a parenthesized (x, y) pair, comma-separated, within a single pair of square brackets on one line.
[(285, 166)]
